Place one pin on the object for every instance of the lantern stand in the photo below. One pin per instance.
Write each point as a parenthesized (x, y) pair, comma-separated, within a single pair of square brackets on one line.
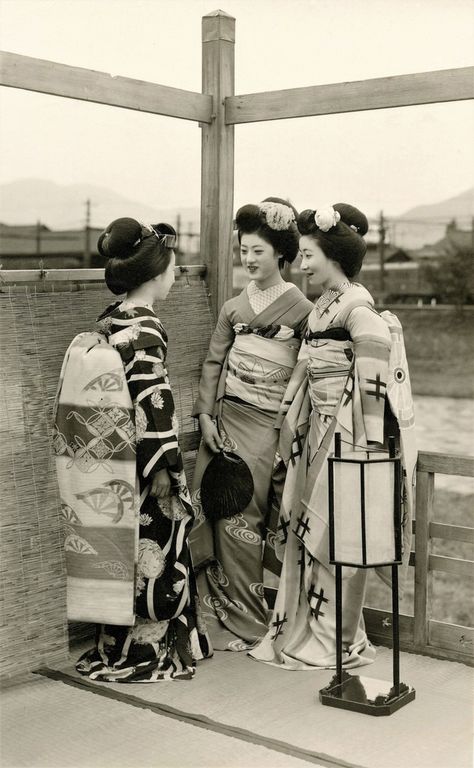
[(364, 694)]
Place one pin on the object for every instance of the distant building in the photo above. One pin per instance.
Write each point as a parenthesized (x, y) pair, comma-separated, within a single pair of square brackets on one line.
[(406, 277), (25, 247)]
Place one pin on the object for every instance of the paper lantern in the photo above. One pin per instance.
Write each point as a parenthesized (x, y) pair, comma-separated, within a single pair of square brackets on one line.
[(364, 508)]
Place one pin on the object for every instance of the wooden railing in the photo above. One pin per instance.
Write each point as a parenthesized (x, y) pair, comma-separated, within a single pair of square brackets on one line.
[(420, 633)]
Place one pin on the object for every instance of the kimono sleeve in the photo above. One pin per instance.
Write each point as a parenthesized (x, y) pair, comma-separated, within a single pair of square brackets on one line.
[(371, 338), (155, 419), (221, 341), (302, 325)]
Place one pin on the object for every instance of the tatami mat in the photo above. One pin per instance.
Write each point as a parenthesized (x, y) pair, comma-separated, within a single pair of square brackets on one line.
[(239, 713), (46, 724)]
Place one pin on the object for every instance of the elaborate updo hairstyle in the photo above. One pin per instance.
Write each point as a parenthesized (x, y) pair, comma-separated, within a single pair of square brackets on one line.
[(274, 220), (339, 231), (136, 252)]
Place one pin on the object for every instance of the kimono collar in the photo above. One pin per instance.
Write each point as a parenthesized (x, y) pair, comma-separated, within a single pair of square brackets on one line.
[(332, 299), (123, 313)]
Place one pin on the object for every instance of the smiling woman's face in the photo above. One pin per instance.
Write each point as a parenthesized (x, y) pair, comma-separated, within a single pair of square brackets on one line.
[(259, 258)]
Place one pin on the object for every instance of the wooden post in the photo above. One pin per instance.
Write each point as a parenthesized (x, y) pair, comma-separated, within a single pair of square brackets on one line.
[(424, 513), (217, 158)]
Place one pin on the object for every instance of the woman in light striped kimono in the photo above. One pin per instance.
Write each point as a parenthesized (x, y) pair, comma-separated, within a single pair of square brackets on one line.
[(340, 384), (164, 642), (251, 356)]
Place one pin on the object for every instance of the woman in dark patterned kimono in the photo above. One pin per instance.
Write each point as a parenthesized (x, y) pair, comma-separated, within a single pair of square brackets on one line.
[(251, 356), (341, 383), (164, 642)]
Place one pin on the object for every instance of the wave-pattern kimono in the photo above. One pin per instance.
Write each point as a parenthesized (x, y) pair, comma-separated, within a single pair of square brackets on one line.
[(340, 384), (167, 637), (250, 360)]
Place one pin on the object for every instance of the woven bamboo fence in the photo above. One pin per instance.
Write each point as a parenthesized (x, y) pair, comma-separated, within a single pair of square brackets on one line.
[(35, 329)]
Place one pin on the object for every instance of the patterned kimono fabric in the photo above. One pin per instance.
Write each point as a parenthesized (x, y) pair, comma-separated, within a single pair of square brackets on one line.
[(339, 385), (243, 381), (167, 636)]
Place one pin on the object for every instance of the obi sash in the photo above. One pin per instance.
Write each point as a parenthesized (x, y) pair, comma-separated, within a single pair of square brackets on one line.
[(259, 369), (94, 443), (329, 364)]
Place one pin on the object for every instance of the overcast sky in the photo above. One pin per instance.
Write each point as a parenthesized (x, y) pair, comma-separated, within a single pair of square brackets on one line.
[(390, 159)]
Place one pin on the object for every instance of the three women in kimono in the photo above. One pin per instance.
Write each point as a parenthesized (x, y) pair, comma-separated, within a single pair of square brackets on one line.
[(252, 354), (164, 641), (339, 384)]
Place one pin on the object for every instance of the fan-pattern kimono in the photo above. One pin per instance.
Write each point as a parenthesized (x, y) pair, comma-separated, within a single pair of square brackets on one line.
[(339, 385), (167, 636), (243, 381)]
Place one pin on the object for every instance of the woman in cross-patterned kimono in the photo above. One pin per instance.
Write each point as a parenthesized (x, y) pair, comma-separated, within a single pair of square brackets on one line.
[(341, 383), (251, 356), (164, 642)]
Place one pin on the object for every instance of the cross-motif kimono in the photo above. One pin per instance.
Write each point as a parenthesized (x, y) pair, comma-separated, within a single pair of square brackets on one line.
[(339, 384), (252, 353), (164, 641)]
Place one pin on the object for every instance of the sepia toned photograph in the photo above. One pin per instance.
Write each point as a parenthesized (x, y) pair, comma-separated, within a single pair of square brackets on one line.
[(237, 384)]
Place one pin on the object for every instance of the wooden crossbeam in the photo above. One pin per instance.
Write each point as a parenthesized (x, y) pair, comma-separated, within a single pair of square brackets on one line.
[(12, 276), (101, 88), (360, 95), (445, 464)]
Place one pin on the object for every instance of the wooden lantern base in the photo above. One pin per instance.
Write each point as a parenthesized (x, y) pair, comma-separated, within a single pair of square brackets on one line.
[(366, 695)]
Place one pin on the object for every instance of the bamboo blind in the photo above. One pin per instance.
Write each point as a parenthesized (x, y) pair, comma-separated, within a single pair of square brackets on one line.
[(35, 330)]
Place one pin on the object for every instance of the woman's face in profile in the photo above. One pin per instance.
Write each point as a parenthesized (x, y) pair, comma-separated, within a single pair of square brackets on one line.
[(314, 263)]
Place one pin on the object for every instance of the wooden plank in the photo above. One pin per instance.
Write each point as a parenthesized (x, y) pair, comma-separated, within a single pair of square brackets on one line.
[(356, 96), (452, 637), (217, 159), (424, 512), (451, 565), (446, 464), (452, 532), (78, 275), (101, 88), (378, 624)]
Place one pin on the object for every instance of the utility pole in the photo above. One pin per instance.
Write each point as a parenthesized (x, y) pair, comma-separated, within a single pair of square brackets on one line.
[(87, 237), (382, 232), (38, 238), (179, 249)]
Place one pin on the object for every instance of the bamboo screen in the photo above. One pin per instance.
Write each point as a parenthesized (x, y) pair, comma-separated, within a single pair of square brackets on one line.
[(35, 330)]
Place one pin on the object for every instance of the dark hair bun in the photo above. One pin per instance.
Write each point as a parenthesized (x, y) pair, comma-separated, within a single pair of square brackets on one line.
[(248, 218), (119, 238), (352, 217), (164, 229), (306, 222)]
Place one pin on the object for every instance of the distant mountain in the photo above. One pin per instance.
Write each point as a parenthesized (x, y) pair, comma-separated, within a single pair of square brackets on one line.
[(425, 224), (459, 207), (64, 206)]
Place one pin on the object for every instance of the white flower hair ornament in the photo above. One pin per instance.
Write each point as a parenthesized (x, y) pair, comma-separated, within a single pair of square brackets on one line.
[(326, 218), (277, 215)]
